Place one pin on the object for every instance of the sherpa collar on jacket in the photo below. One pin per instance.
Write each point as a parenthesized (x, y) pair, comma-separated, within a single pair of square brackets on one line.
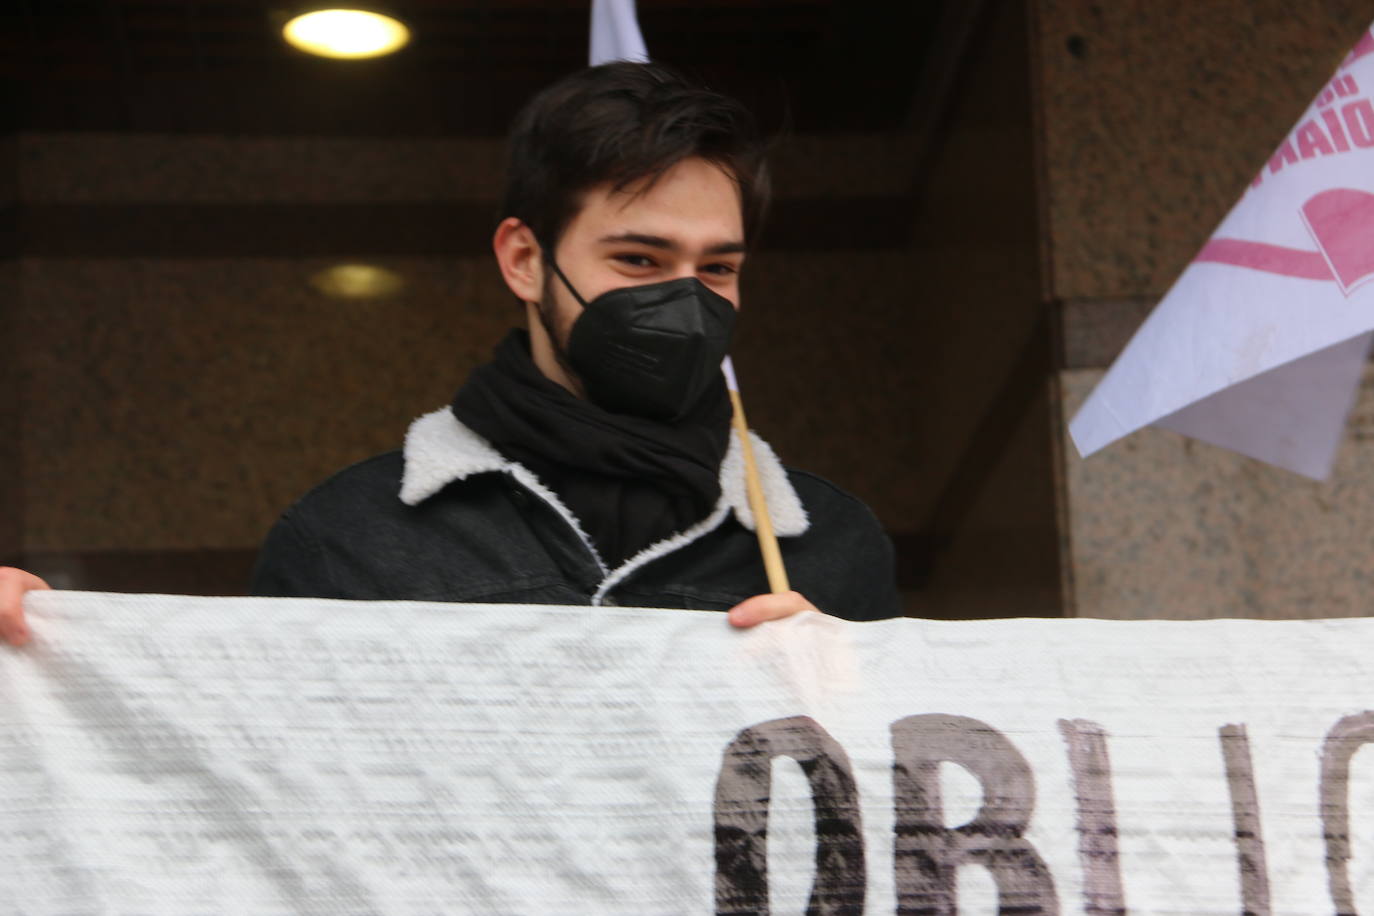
[(440, 450)]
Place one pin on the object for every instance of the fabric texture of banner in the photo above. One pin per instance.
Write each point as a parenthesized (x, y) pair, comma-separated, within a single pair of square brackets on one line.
[(173, 755)]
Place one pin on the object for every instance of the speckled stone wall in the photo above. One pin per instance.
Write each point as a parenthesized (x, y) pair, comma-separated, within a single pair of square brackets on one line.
[(1168, 527), (1151, 118), (182, 404)]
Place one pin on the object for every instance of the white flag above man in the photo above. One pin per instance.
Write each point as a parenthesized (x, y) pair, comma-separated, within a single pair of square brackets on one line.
[(615, 32), (1260, 344)]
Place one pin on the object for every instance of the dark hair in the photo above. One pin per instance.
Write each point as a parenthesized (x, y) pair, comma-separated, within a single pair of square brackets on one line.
[(621, 123)]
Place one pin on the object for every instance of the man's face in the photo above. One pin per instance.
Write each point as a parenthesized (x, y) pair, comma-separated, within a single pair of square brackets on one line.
[(688, 224)]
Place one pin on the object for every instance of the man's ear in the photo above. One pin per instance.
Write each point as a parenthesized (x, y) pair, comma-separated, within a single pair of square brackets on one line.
[(520, 257)]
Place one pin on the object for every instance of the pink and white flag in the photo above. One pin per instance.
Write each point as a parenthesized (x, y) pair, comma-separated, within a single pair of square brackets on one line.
[(1260, 344)]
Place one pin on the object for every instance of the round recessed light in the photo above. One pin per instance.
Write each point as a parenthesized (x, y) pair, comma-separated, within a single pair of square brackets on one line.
[(357, 281), (346, 34)]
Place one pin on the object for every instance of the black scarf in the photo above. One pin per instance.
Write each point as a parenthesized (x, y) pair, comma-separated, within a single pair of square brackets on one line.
[(630, 482)]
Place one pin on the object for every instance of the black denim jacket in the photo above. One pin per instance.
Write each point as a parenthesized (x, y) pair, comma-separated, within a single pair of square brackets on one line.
[(450, 519)]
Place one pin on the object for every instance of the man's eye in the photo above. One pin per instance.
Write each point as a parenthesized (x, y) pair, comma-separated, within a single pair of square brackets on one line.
[(720, 270), (635, 260)]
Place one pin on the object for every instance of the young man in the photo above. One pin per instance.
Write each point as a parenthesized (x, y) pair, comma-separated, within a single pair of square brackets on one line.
[(592, 462)]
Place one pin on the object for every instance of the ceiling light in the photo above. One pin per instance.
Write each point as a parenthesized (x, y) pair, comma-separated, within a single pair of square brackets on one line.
[(346, 34), (357, 281)]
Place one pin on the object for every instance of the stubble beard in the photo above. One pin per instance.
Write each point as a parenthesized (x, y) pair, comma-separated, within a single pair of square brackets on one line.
[(547, 310)]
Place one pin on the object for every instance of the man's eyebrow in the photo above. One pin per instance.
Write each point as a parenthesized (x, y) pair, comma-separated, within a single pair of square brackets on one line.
[(639, 238), (665, 244)]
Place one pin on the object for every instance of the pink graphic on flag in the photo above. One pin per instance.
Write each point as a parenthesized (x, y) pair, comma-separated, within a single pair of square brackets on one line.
[(1275, 259), (1341, 222)]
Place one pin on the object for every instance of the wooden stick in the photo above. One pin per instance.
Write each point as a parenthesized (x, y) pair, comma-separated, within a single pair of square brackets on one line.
[(763, 522)]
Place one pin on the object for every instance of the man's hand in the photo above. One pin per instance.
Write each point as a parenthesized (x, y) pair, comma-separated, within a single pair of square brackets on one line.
[(760, 608), (13, 584)]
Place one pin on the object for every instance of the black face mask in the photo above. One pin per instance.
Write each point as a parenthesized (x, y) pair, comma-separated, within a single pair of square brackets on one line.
[(650, 351)]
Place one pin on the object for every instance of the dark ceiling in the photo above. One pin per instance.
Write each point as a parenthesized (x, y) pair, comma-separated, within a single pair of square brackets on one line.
[(221, 67)]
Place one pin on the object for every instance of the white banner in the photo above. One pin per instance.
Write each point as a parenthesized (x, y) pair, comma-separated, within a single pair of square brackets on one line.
[(1259, 345), (177, 755)]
